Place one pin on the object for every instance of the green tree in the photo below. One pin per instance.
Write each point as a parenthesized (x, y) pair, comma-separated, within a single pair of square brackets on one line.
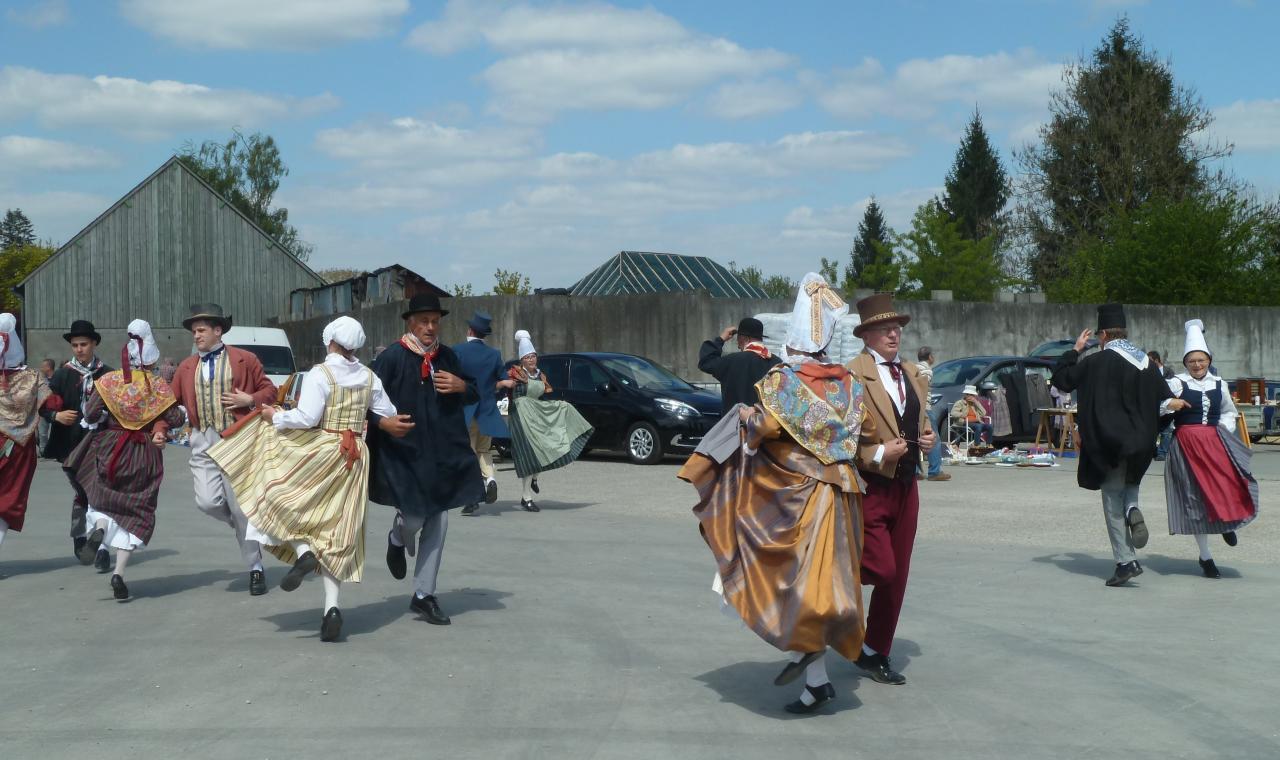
[(16, 231), (338, 274), (872, 249), (1121, 131), (247, 171), (774, 286), (940, 257), (511, 284), (830, 271), (15, 264), (977, 187), (461, 290)]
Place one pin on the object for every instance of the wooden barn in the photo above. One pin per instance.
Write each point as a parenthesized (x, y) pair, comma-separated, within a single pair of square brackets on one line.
[(170, 242)]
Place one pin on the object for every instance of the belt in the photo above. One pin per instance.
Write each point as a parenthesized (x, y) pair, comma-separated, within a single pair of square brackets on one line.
[(348, 448)]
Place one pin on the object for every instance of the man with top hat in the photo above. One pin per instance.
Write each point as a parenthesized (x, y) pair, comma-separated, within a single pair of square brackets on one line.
[(72, 382), (888, 455), (1120, 392), (483, 364), (432, 469), (217, 386), (738, 372)]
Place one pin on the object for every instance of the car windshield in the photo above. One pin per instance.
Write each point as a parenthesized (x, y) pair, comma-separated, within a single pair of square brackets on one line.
[(641, 373), (958, 371), (276, 360)]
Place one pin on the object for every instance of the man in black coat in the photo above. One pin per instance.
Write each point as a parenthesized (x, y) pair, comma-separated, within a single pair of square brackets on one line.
[(739, 372), (1120, 391), (432, 469), (72, 382)]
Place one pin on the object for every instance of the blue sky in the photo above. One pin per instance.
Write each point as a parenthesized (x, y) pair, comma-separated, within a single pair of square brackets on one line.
[(458, 137)]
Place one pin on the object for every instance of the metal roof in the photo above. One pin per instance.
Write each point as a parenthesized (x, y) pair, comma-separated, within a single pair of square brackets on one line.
[(644, 272)]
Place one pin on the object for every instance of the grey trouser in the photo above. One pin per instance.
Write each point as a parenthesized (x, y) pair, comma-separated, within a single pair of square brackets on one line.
[(79, 506), (430, 547), (214, 496), (1117, 500)]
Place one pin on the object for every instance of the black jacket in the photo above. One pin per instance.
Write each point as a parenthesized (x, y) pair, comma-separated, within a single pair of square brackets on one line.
[(738, 373), (65, 383)]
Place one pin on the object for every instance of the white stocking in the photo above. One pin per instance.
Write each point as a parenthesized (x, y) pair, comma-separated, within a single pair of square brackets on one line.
[(300, 547), (527, 485), (1203, 542), (331, 587), (122, 560), (815, 675), (4, 528)]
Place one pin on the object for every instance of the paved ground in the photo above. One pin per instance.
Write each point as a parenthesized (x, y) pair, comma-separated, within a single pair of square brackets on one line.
[(589, 631)]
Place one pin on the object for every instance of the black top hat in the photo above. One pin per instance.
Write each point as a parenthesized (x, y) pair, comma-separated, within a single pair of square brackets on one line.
[(210, 312), (750, 327), (1111, 315), (82, 328), (424, 302), (481, 323)]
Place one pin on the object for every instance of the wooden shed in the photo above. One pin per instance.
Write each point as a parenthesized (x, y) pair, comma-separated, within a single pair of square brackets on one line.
[(170, 242)]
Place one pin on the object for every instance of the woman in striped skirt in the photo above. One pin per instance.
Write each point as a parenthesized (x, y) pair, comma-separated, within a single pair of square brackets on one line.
[(544, 434), (301, 476), (1208, 483), (121, 463)]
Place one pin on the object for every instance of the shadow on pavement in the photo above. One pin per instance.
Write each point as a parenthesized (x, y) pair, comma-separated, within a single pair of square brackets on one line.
[(500, 508), (373, 616), (750, 685), (177, 584), (1082, 564), (1163, 565), (36, 566)]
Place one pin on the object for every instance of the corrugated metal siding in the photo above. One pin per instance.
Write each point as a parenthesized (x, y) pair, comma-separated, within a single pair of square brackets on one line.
[(172, 242)]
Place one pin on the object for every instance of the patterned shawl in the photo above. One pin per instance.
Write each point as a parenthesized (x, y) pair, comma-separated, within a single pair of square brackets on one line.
[(411, 342), (135, 403), (19, 402), (820, 405)]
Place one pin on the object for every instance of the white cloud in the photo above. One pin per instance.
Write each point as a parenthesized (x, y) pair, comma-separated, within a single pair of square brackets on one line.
[(40, 14), (789, 155), (274, 24), (408, 143), (1253, 125), (140, 109), (25, 154), (753, 99)]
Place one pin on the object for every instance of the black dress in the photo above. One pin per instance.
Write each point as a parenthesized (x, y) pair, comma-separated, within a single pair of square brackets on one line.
[(66, 383)]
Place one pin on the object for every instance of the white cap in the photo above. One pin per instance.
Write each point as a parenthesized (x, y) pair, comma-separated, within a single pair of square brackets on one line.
[(10, 343), (813, 320), (344, 331), (1195, 339), (150, 353), (971, 390), (524, 344)]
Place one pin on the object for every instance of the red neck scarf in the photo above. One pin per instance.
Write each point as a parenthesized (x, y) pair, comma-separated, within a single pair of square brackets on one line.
[(759, 349), (411, 342), (815, 374)]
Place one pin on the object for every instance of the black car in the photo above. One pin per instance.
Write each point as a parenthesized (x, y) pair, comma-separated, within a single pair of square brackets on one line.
[(988, 373), (635, 405), (1054, 349)]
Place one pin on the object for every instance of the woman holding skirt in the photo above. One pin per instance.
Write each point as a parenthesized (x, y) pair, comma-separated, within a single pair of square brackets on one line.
[(1208, 483), (23, 393), (544, 434), (121, 463), (779, 502), (301, 476)]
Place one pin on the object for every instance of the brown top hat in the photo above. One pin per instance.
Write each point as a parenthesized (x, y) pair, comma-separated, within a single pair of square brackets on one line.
[(210, 312), (875, 310)]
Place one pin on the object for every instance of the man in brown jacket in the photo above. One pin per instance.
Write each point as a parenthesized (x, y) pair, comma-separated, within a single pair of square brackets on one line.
[(896, 396), (229, 384)]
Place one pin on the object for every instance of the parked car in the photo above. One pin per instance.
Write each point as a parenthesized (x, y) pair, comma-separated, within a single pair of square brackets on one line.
[(988, 373), (270, 345), (635, 405), (1054, 349)]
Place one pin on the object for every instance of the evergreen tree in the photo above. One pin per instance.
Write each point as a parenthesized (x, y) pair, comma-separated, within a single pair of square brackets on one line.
[(871, 262), (941, 257), (977, 187), (16, 231)]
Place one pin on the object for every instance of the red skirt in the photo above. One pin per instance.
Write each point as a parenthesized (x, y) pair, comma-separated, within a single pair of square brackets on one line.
[(1226, 492), (16, 472)]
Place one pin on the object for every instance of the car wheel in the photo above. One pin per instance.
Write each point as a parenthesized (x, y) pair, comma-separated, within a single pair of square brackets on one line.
[(643, 444)]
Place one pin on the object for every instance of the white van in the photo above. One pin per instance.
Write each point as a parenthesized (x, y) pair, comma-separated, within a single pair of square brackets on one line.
[(270, 345)]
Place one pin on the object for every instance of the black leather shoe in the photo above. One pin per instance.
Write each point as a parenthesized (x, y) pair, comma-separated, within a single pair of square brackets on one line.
[(331, 626), (76, 545), (395, 560), (877, 666), (1125, 572), (118, 589), (1138, 534), (1209, 569), (89, 552), (821, 695), (490, 492), (470, 509), (257, 583), (302, 567), (429, 608), (102, 561), (534, 486), (528, 505), (1230, 538), (792, 670)]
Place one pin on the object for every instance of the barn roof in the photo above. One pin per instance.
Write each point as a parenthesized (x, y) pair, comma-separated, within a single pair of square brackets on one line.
[(645, 272)]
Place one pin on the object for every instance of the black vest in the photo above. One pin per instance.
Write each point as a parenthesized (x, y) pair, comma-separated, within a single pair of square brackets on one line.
[(1205, 409), (909, 425)]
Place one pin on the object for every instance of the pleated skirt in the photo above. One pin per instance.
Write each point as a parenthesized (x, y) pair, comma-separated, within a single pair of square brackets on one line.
[(1208, 484)]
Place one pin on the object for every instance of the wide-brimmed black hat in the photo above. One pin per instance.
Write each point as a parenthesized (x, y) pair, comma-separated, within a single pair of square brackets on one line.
[(82, 328), (482, 323), (750, 327), (424, 302), (209, 312), (1111, 315)]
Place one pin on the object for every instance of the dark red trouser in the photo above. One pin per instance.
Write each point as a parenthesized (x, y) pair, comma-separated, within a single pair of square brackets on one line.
[(890, 509)]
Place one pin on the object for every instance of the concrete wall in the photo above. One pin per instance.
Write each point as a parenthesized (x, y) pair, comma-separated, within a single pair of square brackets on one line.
[(668, 328), (48, 344)]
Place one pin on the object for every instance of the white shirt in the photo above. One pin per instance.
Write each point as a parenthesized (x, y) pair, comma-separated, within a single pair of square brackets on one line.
[(890, 385), (348, 373), (1227, 415)]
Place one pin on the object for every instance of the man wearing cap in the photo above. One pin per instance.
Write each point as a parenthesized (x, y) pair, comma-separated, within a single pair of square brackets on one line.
[(483, 364), (888, 456), (72, 382), (432, 469), (1120, 392), (738, 372), (217, 386)]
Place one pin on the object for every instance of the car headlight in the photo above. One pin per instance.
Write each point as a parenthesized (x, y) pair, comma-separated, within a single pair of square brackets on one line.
[(934, 398), (676, 408)]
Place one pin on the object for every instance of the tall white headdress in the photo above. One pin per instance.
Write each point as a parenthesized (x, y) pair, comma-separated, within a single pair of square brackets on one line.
[(524, 344), (1195, 339), (813, 320)]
